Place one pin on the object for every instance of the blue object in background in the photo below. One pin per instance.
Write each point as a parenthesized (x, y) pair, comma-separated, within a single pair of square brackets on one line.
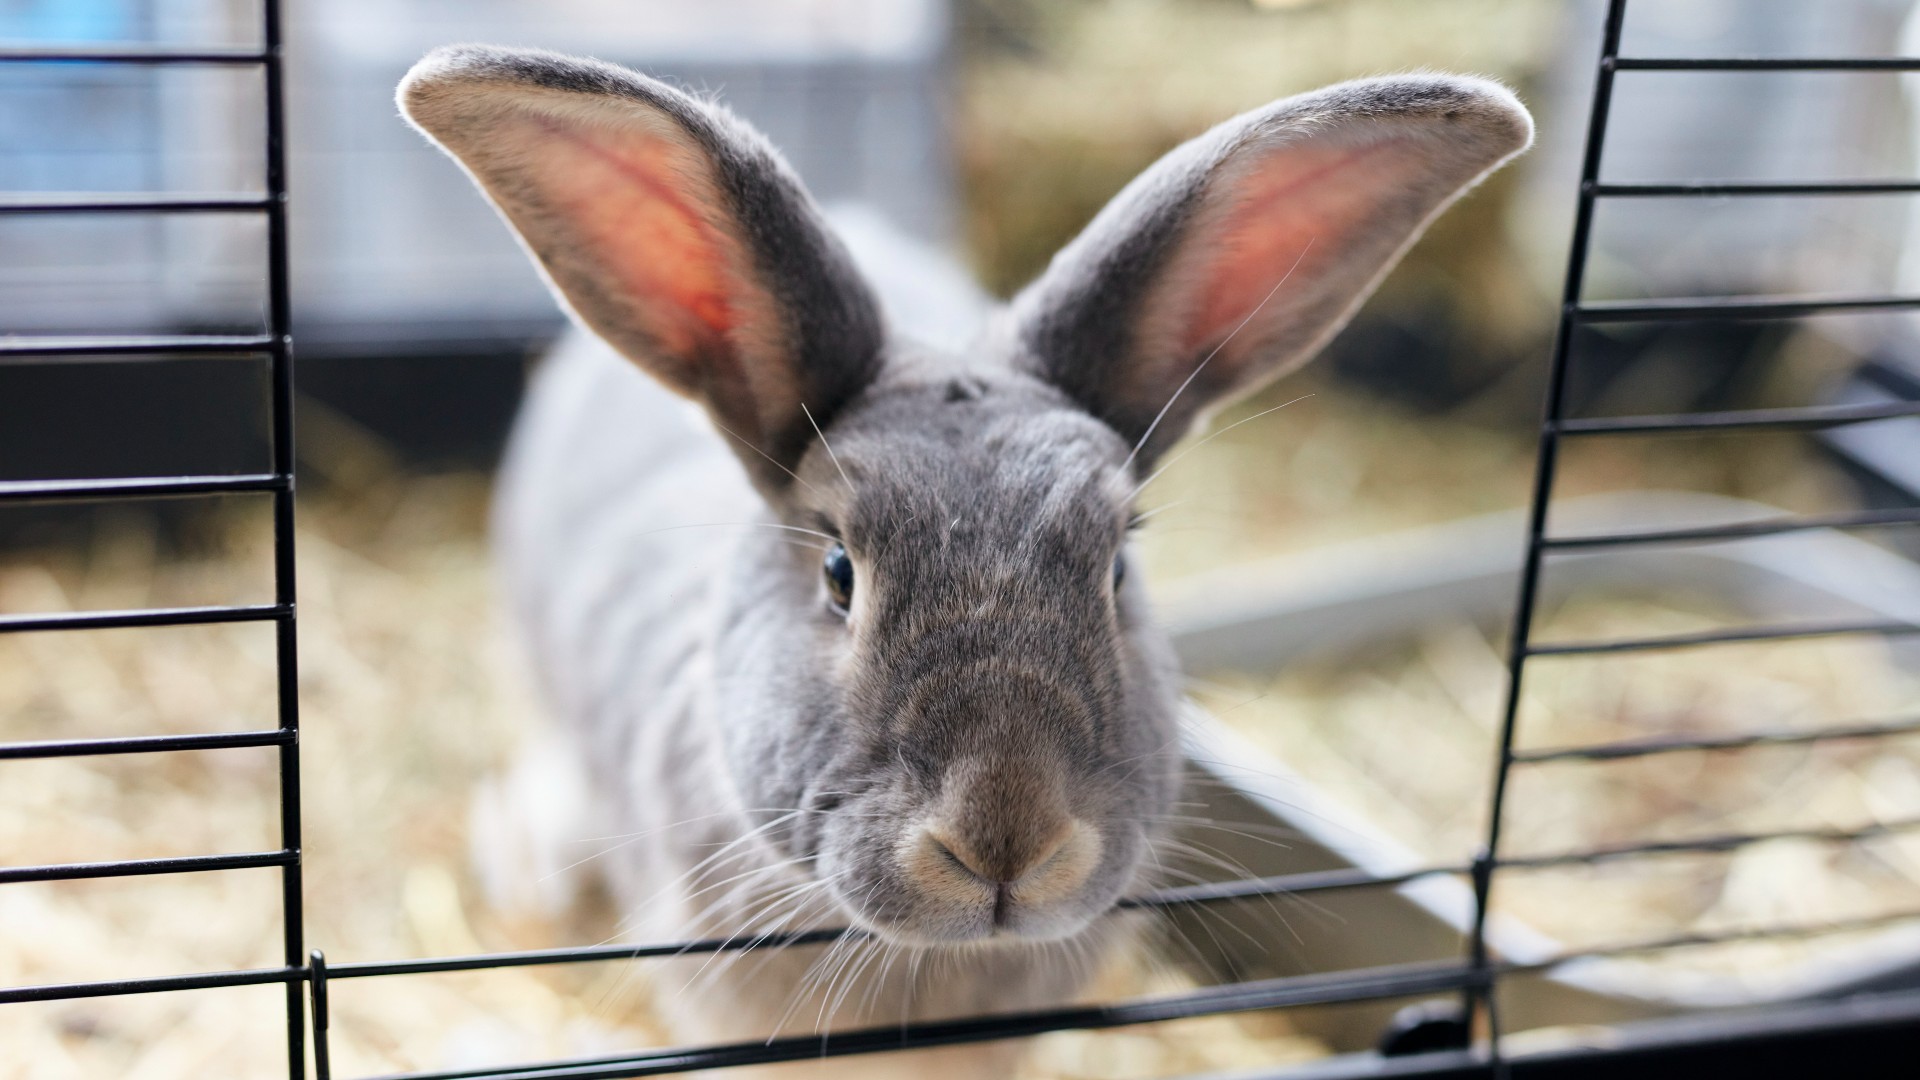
[(43, 21)]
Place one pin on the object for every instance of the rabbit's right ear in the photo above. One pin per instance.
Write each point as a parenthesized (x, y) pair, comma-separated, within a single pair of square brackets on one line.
[(671, 229)]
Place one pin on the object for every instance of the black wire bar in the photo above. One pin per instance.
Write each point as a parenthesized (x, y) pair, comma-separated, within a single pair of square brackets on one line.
[(1739, 530), (160, 984), (1671, 744), (186, 864), (1731, 307), (19, 347), (1403, 980), (113, 620), (1801, 418), (1707, 845), (1760, 63), (145, 54), (1480, 998), (286, 645), (1719, 189), (143, 744), (1708, 938), (138, 202), (1205, 893), (1732, 636), (138, 487)]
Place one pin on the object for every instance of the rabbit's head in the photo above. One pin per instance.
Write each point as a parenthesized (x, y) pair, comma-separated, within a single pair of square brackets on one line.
[(959, 685)]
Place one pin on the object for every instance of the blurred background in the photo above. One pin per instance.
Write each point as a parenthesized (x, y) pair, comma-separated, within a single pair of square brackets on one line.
[(1340, 570)]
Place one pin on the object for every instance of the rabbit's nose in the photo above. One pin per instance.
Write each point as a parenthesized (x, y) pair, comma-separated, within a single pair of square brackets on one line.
[(1001, 863), (1030, 868)]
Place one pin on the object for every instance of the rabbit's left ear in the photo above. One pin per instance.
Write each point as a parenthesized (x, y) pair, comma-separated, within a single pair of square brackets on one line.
[(673, 230), (1240, 253)]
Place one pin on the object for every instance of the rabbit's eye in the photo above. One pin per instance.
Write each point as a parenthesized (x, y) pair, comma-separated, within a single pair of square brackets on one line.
[(838, 569), (1119, 569)]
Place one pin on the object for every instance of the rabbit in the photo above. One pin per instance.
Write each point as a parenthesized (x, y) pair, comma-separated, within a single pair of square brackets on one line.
[(837, 620)]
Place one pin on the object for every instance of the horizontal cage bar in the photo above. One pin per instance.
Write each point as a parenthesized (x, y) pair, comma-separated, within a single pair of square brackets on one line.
[(1781, 932), (1738, 188), (160, 984), (1764, 63), (587, 954), (143, 744), (1207, 893), (110, 620), (1862, 519), (1804, 418), (1732, 307), (187, 864), (139, 487), (1737, 635), (133, 54), (136, 344), (113, 202), (1706, 845), (1281, 885), (1364, 985), (1670, 744)]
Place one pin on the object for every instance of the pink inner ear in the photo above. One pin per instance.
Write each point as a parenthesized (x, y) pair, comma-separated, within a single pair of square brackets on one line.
[(1296, 205), (625, 195)]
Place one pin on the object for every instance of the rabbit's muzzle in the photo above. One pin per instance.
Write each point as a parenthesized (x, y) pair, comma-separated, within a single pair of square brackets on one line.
[(999, 854)]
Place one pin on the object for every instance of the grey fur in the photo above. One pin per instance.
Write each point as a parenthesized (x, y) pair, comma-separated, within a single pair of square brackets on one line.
[(990, 690)]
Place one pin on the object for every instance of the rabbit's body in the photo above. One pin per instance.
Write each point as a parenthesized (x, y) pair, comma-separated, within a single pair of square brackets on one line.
[(868, 654)]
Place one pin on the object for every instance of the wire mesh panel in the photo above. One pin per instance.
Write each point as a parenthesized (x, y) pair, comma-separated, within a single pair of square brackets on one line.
[(1470, 1042), (274, 344)]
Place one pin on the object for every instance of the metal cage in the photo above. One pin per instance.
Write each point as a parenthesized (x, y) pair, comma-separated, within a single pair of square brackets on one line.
[(1876, 1033)]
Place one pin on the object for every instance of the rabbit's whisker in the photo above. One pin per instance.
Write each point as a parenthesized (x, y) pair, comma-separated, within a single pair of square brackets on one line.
[(708, 817), (738, 525), (831, 456), (1210, 855), (1210, 436), (1215, 351), (697, 868), (1245, 830), (763, 453), (773, 900), (1202, 911), (808, 982), (1145, 516)]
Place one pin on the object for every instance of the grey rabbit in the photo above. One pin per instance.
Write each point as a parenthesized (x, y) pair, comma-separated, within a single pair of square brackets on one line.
[(884, 664)]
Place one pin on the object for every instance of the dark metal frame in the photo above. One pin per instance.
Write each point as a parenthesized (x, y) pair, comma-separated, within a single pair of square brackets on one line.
[(276, 345), (1664, 1048)]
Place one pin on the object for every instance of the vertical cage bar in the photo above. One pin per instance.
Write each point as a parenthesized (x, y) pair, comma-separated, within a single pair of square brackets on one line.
[(1482, 993), (280, 352)]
